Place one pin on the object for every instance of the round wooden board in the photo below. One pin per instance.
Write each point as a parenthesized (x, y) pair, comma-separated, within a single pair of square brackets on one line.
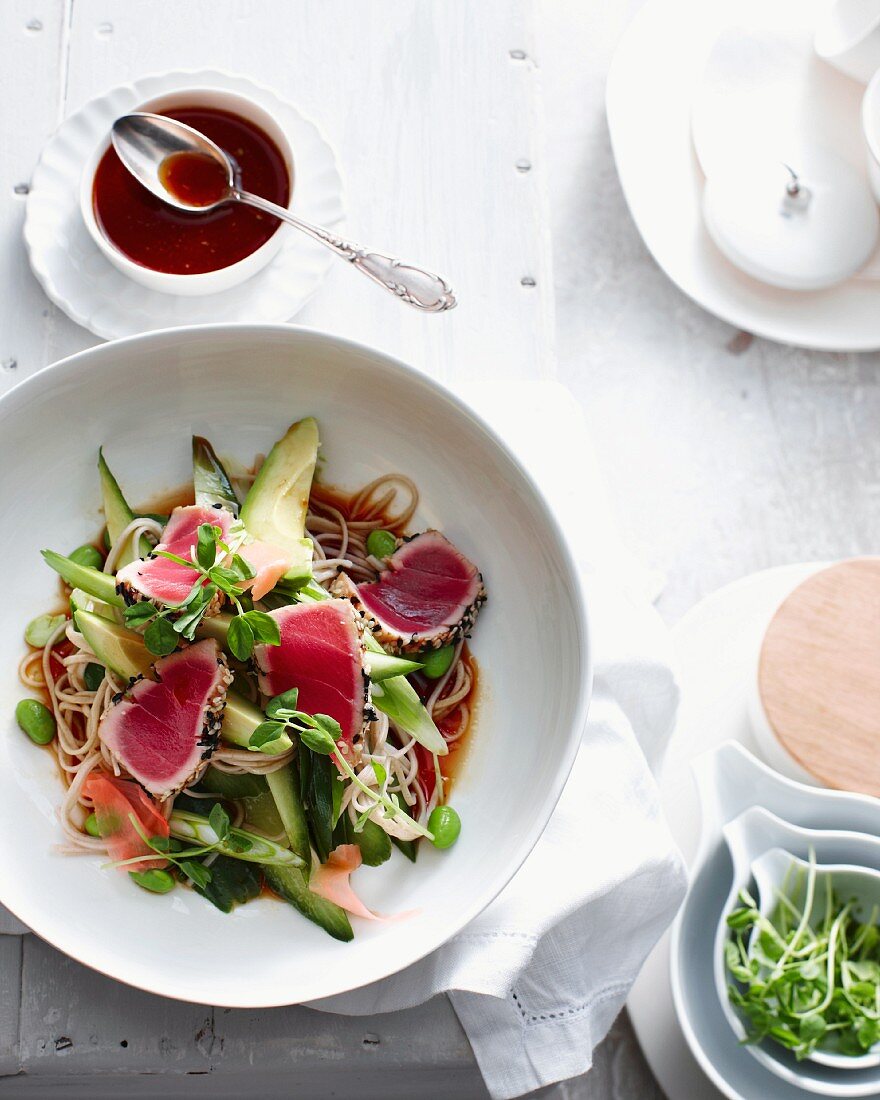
[(819, 675)]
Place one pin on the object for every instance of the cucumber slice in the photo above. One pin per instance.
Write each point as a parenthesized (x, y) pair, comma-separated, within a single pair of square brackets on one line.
[(284, 785), (276, 505), (92, 581), (373, 841), (290, 883), (118, 515), (383, 666), (118, 649), (262, 813), (232, 786), (210, 480)]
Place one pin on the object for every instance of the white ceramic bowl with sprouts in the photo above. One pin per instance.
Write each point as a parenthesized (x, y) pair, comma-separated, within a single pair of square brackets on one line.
[(241, 386)]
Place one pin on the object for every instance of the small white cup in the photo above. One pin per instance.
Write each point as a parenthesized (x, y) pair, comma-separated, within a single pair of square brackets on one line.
[(208, 282), (848, 37)]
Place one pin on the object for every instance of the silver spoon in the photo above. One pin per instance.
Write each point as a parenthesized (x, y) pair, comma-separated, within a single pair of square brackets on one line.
[(144, 142)]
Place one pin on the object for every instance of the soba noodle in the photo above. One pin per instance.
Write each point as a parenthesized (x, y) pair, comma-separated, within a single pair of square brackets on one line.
[(338, 529)]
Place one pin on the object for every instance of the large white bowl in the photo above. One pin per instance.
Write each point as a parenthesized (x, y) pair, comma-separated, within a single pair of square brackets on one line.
[(142, 398)]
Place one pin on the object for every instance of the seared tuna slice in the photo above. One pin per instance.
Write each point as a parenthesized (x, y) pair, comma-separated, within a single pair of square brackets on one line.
[(321, 653), (163, 730), (428, 597), (162, 581)]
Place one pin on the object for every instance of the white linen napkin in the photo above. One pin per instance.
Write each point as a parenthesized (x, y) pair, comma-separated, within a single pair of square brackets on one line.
[(538, 977)]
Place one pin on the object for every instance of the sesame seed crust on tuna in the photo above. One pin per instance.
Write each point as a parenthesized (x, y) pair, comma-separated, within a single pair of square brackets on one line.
[(398, 643)]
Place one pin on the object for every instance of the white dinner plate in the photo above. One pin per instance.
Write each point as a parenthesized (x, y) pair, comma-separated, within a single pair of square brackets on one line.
[(655, 73), (92, 292), (241, 386)]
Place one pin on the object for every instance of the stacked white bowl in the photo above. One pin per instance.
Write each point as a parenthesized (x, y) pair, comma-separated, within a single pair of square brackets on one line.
[(755, 822)]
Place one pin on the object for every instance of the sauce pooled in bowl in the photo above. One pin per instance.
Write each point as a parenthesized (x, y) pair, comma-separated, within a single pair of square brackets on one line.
[(156, 235)]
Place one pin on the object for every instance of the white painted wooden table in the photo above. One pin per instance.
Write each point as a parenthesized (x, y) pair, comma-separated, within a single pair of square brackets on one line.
[(434, 112), (724, 454)]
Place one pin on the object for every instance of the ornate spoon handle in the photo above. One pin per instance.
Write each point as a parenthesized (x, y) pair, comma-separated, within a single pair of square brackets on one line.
[(413, 285)]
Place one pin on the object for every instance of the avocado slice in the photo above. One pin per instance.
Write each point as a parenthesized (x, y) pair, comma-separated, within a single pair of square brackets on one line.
[(215, 626), (116, 648), (92, 581), (210, 480), (82, 601), (276, 505), (118, 515)]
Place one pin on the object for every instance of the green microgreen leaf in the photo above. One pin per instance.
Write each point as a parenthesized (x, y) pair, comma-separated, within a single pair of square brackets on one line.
[(196, 872), (139, 613), (160, 637), (206, 545), (243, 568), (264, 627), (287, 702), (318, 740), (240, 638), (264, 734), (218, 819)]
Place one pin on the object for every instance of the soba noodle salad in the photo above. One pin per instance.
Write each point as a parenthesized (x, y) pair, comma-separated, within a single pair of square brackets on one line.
[(260, 687)]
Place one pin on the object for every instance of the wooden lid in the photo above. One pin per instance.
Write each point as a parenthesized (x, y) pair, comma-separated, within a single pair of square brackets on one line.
[(819, 675)]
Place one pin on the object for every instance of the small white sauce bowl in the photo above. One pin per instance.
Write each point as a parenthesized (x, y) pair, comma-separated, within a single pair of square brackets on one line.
[(207, 282)]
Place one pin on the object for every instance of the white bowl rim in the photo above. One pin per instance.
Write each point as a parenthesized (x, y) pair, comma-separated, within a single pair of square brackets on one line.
[(540, 815), (175, 282), (870, 124), (830, 41)]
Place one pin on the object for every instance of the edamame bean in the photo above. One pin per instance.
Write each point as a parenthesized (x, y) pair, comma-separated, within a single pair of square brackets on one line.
[(93, 676), (381, 544), (39, 630), (445, 825), (155, 880), (436, 663), (37, 721), (91, 826), (88, 555)]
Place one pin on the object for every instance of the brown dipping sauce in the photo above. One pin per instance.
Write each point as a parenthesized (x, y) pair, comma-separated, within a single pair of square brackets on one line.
[(152, 233), (193, 178)]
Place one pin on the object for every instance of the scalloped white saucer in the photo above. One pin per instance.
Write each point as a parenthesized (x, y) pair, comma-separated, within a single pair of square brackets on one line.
[(79, 280)]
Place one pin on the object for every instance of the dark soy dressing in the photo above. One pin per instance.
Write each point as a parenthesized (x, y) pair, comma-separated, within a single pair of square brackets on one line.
[(193, 178), (155, 235)]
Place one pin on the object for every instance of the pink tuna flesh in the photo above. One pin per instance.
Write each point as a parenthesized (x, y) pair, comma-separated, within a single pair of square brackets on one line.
[(163, 730), (162, 580), (320, 654), (430, 593)]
